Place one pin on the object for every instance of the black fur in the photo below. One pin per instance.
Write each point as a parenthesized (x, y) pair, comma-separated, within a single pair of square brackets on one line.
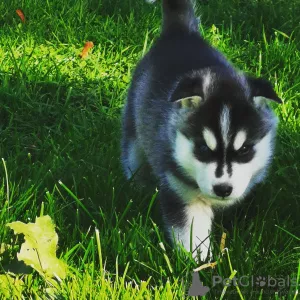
[(178, 15), (175, 68)]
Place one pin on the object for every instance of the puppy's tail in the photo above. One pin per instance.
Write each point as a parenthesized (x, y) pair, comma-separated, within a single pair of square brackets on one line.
[(179, 13)]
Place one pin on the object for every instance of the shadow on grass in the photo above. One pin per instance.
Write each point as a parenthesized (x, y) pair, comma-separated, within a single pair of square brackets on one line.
[(53, 133), (65, 141)]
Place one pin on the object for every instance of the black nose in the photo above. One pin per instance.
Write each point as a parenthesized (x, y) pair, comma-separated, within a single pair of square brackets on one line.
[(222, 190)]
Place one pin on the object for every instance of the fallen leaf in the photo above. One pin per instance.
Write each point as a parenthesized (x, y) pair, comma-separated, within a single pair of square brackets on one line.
[(86, 49), (21, 15), (205, 266), (39, 248)]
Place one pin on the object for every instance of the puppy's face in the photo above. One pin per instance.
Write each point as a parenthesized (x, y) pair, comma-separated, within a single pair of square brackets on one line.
[(226, 142)]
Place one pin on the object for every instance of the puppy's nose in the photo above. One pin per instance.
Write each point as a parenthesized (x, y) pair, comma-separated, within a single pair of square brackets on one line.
[(223, 190)]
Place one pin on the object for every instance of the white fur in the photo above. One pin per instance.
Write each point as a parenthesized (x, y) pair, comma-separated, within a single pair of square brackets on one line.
[(210, 139), (207, 82), (205, 175), (183, 154), (243, 173), (190, 195), (225, 124), (239, 140), (199, 219), (181, 189)]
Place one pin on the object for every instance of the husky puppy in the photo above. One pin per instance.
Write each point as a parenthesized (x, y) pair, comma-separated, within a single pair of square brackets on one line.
[(203, 128)]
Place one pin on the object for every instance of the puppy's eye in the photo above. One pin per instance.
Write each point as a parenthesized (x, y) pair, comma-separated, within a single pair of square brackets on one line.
[(203, 148), (202, 151), (245, 150)]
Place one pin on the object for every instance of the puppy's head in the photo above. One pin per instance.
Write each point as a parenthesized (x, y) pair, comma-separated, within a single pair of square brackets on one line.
[(225, 141)]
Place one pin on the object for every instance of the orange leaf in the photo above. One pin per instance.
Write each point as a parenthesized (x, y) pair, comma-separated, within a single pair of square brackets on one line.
[(21, 15), (86, 49)]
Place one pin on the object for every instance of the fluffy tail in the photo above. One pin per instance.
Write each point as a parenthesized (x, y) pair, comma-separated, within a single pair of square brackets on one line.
[(179, 13)]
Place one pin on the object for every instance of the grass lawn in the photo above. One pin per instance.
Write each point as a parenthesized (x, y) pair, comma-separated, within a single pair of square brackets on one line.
[(59, 140)]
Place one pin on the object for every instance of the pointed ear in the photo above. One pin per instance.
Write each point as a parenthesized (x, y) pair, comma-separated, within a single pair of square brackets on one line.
[(189, 102), (188, 87), (262, 91)]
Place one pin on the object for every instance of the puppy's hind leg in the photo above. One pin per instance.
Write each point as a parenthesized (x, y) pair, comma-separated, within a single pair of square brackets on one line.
[(133, 157)]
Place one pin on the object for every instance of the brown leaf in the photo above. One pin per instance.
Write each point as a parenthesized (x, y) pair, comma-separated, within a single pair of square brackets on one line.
[(21, 15), (86, 49)]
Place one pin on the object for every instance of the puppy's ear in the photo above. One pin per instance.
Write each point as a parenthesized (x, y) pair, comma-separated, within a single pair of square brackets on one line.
[(262, 91), (188, 93), (189, 102)]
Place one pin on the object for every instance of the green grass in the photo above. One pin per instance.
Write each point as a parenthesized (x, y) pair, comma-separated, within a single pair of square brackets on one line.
[(60, 133)]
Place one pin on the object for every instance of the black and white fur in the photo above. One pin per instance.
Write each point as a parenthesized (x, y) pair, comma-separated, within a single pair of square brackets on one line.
[(203, 128)]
